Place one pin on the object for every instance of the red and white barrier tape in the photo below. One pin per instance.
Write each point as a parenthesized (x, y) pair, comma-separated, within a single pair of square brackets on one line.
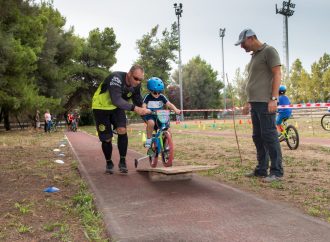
[(305, 105), (292, 106)]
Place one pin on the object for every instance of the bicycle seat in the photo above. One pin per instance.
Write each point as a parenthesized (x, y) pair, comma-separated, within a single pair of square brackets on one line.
[(285, 119)]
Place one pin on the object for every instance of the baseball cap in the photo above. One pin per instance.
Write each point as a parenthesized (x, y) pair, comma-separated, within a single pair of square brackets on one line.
[(244, 34)]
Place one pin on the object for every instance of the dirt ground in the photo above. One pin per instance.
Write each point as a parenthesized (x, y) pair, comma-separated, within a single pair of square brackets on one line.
[(27, 167), (306, 182)]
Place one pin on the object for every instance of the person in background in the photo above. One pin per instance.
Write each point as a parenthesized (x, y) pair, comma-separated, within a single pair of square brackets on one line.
[(283, 113), (155, 100), (37, 120), (76, 117), (66, 118), (263, 82), (48, 121), (110, 101)]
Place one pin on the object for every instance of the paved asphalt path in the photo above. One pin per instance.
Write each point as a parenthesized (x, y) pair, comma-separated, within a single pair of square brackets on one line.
[(136, 209)]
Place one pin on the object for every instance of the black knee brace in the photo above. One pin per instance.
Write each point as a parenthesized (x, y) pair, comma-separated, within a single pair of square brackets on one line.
[(107, 149), (122, 144)]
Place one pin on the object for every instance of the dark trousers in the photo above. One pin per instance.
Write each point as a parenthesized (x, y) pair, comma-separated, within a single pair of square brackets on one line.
[(266, 140)]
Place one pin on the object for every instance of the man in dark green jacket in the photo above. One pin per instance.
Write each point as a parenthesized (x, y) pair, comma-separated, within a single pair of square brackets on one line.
[(110, 102), (264, 79)]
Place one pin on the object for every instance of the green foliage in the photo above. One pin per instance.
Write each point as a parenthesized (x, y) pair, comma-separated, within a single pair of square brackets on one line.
[(299, 88), (200, 85), (23, 208), (318, 82), (239, 93), (314, 87), (51, 68), (92, 66), (86, 117), (20, 49), (156, 54)]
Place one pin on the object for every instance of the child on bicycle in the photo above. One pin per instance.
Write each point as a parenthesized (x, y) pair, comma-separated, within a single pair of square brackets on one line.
[(283, 113), (155, 100)]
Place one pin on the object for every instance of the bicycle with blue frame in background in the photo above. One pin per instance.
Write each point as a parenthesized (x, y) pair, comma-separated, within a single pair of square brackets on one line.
[(73, 125), (161, 142), (53, 125)]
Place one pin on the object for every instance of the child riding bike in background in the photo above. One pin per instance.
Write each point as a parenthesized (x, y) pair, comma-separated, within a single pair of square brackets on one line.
[(283, 113), (155, 100)]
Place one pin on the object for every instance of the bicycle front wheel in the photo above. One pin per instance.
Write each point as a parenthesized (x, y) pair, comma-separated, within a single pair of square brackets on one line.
[(168, 149), (292, 137), (325, 122)]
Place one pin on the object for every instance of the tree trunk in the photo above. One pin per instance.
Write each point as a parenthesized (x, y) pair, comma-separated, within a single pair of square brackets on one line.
[(206, 115), (1, 114), (6, 119)]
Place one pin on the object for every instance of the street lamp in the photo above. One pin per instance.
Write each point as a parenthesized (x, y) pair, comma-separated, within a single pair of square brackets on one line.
[(222, 34), (178, 12), (286, 12)]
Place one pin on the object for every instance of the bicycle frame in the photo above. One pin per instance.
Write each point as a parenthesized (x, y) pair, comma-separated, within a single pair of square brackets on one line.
[(163, 118), (158, 147)]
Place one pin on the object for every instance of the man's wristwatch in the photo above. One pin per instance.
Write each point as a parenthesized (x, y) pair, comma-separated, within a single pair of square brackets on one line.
[(274, 98)]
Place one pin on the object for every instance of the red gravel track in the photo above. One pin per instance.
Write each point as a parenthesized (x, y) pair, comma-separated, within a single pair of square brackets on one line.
[(136, 209)]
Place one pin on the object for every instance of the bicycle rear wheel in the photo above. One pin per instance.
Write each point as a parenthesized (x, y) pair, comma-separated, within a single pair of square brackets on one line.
[(153, 155), (168, 151), (292, 137), (325, 122)]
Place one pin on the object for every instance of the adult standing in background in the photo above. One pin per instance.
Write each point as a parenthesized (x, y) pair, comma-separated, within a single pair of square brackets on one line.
[(37, 120), (110, 102), (264, 79), (48, 121)]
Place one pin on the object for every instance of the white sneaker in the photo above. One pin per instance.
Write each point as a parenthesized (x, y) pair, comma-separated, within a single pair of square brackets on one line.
[(148, 143)]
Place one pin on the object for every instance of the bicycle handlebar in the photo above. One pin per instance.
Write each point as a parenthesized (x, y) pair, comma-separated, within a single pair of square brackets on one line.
[(154, 112)]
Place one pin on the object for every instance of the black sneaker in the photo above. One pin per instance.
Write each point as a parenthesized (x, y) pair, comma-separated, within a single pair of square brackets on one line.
[(109, 167), (122, 166)]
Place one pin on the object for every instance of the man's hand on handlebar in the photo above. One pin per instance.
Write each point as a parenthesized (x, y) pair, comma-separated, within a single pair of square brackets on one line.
[(177, 111), (142, 111)]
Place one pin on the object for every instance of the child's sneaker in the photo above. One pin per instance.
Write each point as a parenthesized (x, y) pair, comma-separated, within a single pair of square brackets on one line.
[(148, 143)]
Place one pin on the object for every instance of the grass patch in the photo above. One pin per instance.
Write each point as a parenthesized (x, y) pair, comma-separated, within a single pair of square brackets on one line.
[(23, 208), (84, 205), (27, 160), (23, 229)]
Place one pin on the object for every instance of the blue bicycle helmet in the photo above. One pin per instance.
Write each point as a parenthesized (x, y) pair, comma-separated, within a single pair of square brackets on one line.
[(155, 84), (282, 89)]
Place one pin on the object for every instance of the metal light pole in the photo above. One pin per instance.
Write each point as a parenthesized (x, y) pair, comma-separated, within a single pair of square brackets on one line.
[(286, 12), (178, 12), (222, 34)]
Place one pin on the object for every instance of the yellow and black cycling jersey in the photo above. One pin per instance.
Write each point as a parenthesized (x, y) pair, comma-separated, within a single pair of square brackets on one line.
[(114, 93)]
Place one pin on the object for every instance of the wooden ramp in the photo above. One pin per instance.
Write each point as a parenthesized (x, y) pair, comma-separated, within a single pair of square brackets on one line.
[(173, 173)]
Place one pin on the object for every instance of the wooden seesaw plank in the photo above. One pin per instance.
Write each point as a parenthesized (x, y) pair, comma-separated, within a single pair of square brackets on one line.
[(173, 173)]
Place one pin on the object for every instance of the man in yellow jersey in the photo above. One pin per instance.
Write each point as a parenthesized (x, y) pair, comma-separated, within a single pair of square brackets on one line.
[(110, 102)]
